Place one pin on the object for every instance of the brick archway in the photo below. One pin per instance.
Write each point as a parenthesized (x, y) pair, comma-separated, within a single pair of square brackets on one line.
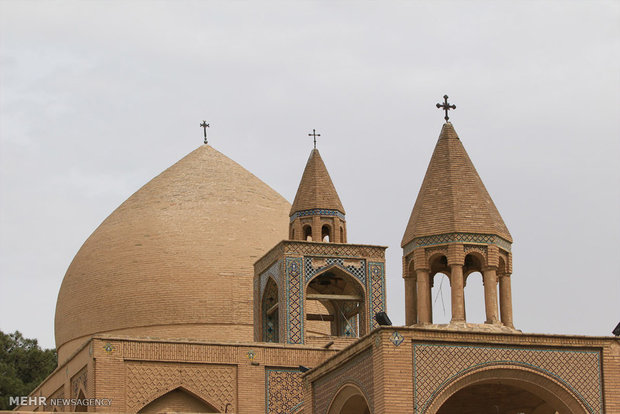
[(349, 400), (557, 395)]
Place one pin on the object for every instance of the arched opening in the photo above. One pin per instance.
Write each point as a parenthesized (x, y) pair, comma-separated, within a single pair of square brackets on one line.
[(349, 400), (178, 400), (326, 233), (442, 300), (292, 234), (81, 408), (307, 232), (504, 390), (340, 305), (474, 289), (342, 240), (270, 311)]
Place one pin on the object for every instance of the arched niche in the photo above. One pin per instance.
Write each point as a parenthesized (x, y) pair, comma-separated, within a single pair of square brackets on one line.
[(473, 287), (342, 301), (178, 400), (270, 312), (349, 400), (517, 389)]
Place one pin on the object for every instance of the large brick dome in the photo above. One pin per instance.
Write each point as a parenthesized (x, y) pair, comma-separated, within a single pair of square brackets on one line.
[(176, 259)]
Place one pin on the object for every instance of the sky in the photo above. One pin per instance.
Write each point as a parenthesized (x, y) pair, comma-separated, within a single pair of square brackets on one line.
[(97, 98)]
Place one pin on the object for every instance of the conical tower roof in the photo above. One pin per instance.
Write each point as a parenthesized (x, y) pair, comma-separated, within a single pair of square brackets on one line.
[(452, 197), (316, 189), (175, 259)]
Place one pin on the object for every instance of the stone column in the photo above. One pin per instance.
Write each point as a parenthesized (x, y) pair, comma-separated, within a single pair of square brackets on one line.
[(316, 229), (424, 296), (411, 302), (458, 293), (489, 278), (505, 300)]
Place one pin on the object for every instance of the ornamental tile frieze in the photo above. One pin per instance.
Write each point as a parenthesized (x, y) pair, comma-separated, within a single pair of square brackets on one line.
[(446, 238)]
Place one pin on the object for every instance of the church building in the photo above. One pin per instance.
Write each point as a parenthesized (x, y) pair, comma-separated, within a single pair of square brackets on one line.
[(206, 291)]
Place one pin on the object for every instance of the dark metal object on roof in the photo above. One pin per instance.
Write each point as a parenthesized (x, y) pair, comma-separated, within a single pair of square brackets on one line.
[(446, 107), (204, 126), (314, 134)]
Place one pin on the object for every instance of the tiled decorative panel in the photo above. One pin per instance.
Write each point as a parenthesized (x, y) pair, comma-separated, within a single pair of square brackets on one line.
[(456, 238), (356, 269), (580, 371), (294, 301), (146, 381), (317, 212), (283, 391), (376, 291)]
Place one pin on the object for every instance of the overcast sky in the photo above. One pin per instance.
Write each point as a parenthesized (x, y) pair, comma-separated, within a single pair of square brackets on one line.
[(97, 98)]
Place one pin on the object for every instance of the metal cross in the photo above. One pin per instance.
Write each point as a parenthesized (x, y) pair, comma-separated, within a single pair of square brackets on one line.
[(204, 126), (314, 134), (446, 107)]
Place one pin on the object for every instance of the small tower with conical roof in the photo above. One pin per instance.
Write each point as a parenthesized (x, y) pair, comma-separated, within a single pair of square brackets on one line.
[(315, 287), (455, 229), (317, 213)]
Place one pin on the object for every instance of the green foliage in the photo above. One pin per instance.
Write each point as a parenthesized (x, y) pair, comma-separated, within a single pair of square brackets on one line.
[(23, 366)]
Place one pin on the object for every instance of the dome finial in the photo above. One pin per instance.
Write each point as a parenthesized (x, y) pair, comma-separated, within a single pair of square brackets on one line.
[(446, 107), (314, 134), (204, 126)]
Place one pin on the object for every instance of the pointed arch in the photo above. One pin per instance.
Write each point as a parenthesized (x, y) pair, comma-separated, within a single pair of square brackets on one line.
[(270, 312), (344, 298), (179, 399)]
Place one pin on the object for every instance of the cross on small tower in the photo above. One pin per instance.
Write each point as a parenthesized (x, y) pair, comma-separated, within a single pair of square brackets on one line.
[(204, 126), (314, 134), (446, 106)]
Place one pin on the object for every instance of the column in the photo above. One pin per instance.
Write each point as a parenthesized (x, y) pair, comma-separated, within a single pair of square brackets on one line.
[(411, 305), (424, 296), (505, 300), (458, 293), (489, 278), (316, 229)]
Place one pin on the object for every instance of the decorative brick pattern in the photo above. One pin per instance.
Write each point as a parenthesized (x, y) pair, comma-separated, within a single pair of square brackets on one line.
[(283, 391), (317, 212), (483, 250), (580, 371), (79, 381), (376, 291), (294, 301), (358, 371), (58, 394), (333, 249), (358, 271), (456, 238), (146, 381)]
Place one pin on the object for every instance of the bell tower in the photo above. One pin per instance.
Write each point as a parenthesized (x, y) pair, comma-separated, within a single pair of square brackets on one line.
[(315, 287), (455, 229), (317, 213)]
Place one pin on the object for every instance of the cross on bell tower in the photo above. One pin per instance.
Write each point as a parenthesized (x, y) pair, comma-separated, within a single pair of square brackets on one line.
[(446, 107), (314, 134)]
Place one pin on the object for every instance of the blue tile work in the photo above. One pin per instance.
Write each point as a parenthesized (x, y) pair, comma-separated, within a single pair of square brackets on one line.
[(376, 291), (283, 391), (317, 212), (270, 322), (577, 370), (274, 272), (457, 238), (294, 301), (358, 271)]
